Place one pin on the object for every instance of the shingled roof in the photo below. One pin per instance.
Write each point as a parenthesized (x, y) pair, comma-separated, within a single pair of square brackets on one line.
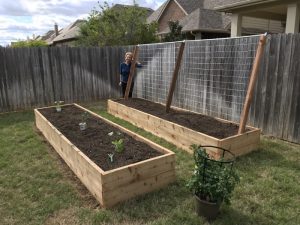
[(200, 15), (204, 20), (69, 32), (156, 14), (190, 6), (211, 4)]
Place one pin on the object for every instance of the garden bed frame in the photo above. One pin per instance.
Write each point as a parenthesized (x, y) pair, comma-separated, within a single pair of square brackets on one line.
[(113, 186), (184, 137)]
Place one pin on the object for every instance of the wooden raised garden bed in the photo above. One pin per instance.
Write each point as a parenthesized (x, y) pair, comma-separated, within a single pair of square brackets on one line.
[(217, 132), (129, 175)]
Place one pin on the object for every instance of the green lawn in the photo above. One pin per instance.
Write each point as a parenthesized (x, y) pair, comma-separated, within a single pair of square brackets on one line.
[(36, 187)]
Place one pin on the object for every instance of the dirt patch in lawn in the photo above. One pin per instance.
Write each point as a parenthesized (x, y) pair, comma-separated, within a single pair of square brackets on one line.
[(95, 141), (201, 123)]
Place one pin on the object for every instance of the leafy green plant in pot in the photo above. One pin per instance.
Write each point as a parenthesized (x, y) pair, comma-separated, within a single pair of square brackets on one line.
[(213, 180)]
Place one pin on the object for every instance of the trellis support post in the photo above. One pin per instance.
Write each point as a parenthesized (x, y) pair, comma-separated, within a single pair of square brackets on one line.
[(253, 78), (175, 76), (131, 73)]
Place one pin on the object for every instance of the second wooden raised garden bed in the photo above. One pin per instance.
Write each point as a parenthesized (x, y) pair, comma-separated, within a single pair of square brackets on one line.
[(127, 176), (152, 117)]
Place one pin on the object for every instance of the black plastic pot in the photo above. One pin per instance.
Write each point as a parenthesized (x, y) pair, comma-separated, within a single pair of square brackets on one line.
[(209, 210)]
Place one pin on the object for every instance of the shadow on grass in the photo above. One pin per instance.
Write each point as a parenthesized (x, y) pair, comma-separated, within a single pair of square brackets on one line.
[(269, 154), (8, 119), (146, 206), (230, 215)]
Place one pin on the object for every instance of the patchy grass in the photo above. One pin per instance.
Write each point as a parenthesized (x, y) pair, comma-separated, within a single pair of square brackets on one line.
[(36, 187)]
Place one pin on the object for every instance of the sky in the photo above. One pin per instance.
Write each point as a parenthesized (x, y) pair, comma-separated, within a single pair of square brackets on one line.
[(20, 19)]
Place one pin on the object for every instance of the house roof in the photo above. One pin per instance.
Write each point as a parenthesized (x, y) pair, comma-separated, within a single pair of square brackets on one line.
[(200, 15), (156, 14), (69, 32), (48, 37), (238, 4), (187, 6), (212, 4), (190, 5), (203, 20)]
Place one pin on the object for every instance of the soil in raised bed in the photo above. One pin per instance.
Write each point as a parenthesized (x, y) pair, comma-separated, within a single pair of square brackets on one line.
[(95, 142), (198, 122)]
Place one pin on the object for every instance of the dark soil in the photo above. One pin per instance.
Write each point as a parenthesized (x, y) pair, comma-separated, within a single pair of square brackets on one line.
[(95, 141), (201, 123)]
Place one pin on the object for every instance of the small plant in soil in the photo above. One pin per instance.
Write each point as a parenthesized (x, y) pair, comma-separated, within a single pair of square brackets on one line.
[(119, 145), (83, 124), (58, 105), (111, 157)]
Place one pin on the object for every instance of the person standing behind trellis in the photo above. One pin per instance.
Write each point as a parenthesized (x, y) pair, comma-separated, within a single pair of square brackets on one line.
[(124, 73)]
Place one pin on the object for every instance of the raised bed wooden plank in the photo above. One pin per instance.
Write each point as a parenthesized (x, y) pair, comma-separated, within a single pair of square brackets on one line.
[(140, 171), (111, 187), (184, 137), (241, 144), (139, 187)]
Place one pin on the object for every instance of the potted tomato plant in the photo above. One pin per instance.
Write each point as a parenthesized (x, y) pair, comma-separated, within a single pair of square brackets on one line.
[(213, 180)]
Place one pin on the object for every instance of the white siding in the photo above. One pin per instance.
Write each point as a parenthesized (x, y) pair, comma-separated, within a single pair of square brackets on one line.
[(272, 26)]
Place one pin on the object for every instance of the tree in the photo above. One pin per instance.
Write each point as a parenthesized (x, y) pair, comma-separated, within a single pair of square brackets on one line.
[(30, 43), (175, 32), (117, 26)]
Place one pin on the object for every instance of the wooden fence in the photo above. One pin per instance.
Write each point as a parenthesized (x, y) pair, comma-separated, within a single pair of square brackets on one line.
[(276, 104), (39, 76)]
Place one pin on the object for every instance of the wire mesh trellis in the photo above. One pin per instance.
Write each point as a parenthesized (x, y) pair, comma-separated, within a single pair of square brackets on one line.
[(153, 80), (213, 77)]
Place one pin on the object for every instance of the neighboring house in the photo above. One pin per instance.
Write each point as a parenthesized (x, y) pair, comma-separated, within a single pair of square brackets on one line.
[(68, 35), (197, 17), (217, 18), (274, 16), (50, 35)]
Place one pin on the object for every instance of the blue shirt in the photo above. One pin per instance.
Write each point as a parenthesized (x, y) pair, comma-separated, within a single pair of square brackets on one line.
[(125, 70)]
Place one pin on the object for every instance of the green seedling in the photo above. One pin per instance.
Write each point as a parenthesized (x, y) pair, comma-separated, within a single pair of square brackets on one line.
[(119, 145)]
